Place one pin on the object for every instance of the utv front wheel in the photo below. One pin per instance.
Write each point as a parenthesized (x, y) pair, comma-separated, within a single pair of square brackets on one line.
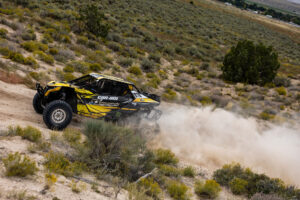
[(37, 103), (57, 115)]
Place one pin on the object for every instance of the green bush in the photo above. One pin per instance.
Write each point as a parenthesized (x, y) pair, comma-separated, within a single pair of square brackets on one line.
[(92, 18), (95, 67), (30, 133), (244, 181), (155, 58), (168, 170), (18, 165), (165, 156), (238, 186), (117, 149), (135, 70), (266, 116), (147, 65), (189, 171), (73, 136), (152, 187), (125, 62), (17, 57), (210, 189), (205, 100), (3, 32), (177, 190), (32, 46), (68, 68), (31, 61), (82, 40), (53, 51), (45, 57), (169, 95), (58, 163), (250, 63), (68, 76), (281, 91)]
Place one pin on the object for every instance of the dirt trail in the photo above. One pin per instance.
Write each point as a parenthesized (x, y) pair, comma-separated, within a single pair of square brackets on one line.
[(16, 106)]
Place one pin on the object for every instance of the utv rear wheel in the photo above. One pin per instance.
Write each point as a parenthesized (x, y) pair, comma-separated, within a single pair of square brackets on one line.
[(57, 115), (37, 103)]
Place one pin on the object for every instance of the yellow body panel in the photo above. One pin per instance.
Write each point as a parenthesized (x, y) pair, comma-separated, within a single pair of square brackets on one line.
[(52, 90), (58, 84), (146, 100)]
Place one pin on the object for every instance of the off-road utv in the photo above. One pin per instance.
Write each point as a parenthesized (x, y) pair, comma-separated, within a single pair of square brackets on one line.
[(93, 95)]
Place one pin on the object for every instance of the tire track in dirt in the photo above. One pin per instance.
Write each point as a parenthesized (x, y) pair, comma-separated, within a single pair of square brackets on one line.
[(16, 106)]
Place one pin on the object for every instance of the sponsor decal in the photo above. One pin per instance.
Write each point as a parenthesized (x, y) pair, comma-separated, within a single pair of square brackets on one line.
[(109, 98)]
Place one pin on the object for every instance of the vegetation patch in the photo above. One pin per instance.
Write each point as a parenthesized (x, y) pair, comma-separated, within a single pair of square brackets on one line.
[(19, 165), (210, 189), (177, 190), (244, 181)]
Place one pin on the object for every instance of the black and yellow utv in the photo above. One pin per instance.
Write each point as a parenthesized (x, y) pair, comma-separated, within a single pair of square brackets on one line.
[(93, 95)]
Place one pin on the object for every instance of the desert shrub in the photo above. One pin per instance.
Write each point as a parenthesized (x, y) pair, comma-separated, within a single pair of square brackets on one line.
[(82, 40), (135, 70), (147, 65), (30, 133), (64, 55), (250, 63), (68, 76), (44, 57), (155, 57), (282, 81), (189, 171), (93, 44), (114, 46), (31, 61), (281, 91), (169, 170), (95, 67), (205, 100), (4, 51), (18, 165), (3, 32), (40, 146), (53, 51), (28, 35), (58, 163), (17, 57), (47, 38), (244, 181), (68, 68), (80, 66), (125, 62), (135, 192), (152, 188), (154, 80), (119, 150), (34, 46), (238, 186), (92, 18), (177, 190), (210, 189), (266, 115), (165, 156), (169, 95), (71, 135), (21, 2), (260, 196)]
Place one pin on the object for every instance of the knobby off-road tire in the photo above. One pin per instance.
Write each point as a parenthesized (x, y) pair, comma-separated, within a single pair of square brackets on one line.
[(57, 115), (37, 103)]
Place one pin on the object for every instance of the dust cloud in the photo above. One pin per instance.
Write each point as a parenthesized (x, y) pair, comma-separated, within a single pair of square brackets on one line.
[(212, 138)]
